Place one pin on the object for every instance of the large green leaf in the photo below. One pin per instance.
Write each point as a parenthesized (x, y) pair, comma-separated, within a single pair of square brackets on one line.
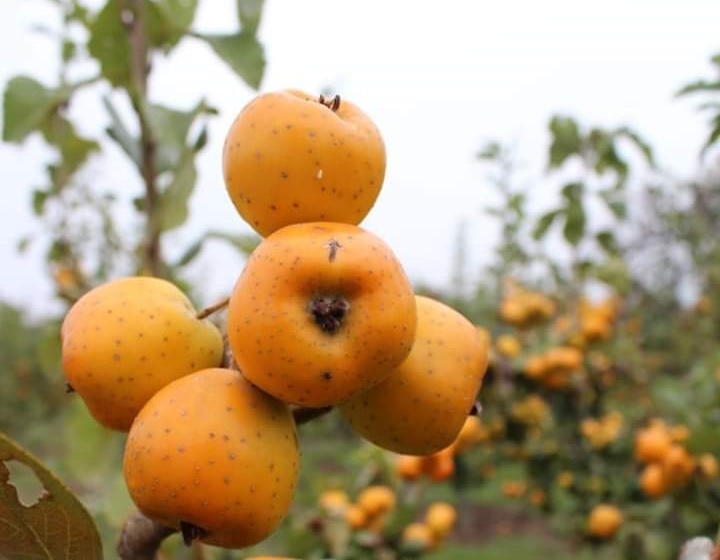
[(168, 21), (699, 86), (249, 14), (639, 143), (170, 128), (57, 526), (244, 243), (109, 44), (714, 134), (242, 52), (174, 209), (566, 140), (26, 105)]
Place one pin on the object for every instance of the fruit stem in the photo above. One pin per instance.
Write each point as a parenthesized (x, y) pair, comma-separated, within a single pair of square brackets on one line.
[(329, 312), (332, 104), (141, 537), (222, 304), (304, 415)]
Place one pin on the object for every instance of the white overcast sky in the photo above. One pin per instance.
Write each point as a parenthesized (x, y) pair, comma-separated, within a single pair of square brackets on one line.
[(438, 78)]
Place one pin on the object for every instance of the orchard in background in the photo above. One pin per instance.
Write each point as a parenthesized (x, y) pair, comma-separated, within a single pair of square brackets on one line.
[(595, 432)]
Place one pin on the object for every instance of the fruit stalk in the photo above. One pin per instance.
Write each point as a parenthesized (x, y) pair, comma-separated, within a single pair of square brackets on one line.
[(141, 537)]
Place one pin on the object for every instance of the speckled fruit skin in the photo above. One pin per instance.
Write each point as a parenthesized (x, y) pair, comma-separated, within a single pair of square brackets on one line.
[(214, 451), (126, 339), (422, 405), (275, 337), (290, 159)]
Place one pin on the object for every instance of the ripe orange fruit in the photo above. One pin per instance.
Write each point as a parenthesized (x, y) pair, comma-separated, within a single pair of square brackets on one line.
[(708, 466), (508, 345), (440, 517), (441, 465), (355, 517), (677, 465), (418, 535), (126, 339), (333, 501), (321, 312), (212, 452), (422, 406), (408, 467), (290, 157), (652, 444), (653, 481), (376, 500), (604, 521)]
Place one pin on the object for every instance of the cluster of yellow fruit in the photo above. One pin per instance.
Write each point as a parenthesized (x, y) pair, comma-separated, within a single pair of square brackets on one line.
[(440, 466), (322, 315), (554, 367), (668, 465), (524, 308), (601, 432), (373, 507)]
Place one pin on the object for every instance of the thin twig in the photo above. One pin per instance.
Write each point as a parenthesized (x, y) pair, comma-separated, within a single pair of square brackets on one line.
[(202, 314)]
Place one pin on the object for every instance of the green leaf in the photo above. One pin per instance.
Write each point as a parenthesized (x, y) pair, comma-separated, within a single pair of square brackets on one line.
[(74, 149), (242, 52), (615, 203), (543, 224), (606, 240), (249, 13), (26, 105), (38, 201), (639, 143), (168, 21), (572, 191), (714, 135), (245, 244), (174, 209), (699, 86), (190, 253), (57, 526), (491, 151), (118, 132), (566, 140), (574, 229), (109, 44), (170, 128)]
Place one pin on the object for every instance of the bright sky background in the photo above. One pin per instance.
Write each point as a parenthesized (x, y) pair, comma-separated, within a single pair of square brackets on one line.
[(439, 79)]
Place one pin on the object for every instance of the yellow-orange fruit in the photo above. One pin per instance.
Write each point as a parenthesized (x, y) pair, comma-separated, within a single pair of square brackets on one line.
[(677, 465), (653, 481), (440, 517), (291, 158), (126, 339), (708, 466), (508, 345), (376, 500), (408, 467), (333, 501), (321, 312), (604, 521), (212, 451), (652, 444), (418, 535), (355, 517), (421, 407)]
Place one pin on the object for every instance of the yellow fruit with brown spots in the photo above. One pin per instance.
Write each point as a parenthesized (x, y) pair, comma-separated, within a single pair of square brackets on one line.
[(290, 158), (213, 452), (604, 521), (126, 339), (321, 312), (422, 406)]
